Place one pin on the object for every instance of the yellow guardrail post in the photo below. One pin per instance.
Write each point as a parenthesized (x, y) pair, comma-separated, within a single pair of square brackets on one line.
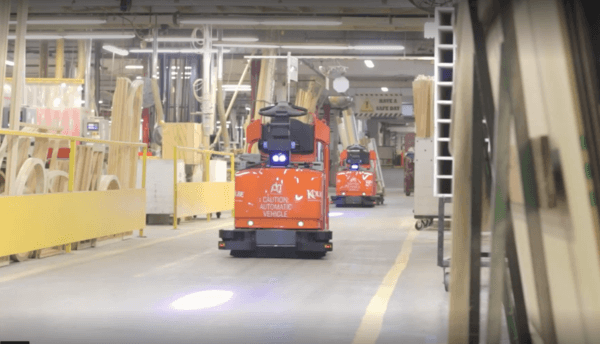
[(71, 186), (175, 187), (144, 156), (207, 157)]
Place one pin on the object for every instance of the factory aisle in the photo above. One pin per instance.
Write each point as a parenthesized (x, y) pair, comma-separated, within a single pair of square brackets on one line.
[(381, 281)]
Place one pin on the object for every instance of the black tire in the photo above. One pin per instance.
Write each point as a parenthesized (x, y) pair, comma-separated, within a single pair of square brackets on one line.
[(407, 193), (418, 225), (218, 215), (447, 281)]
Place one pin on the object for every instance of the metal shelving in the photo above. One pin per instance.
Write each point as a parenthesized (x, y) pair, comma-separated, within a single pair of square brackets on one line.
[(445, 55)]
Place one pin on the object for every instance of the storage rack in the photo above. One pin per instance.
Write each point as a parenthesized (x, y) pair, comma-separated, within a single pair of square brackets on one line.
[(445, 52)]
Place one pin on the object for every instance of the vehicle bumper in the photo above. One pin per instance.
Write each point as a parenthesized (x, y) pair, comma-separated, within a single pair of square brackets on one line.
[(251, 239), (355, 200)]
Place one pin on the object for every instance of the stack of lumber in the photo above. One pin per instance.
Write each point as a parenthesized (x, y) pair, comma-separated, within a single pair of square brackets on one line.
[(423, 105), (264, 90), (308, 98), (126, 117)]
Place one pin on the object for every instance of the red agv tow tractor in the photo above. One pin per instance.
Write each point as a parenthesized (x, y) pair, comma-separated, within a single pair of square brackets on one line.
[(282, 203)]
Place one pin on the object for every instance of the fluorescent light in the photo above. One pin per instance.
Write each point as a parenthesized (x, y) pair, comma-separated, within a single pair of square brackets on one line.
[(222, 21), (377, 47), (238, 39), (235, 45), (37, 36), (115, 50), (199, 39), (9, 63), (241, 88), (62, 21), (302, 22), (316, 47), (384, 89), (369, 63), (99, 35), (172, 51), (146, 50), (295, 21), (100, 102), (134, 67), (174, 39)]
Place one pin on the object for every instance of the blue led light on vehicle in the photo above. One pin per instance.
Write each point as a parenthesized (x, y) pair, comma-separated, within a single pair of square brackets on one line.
[(279, 159)]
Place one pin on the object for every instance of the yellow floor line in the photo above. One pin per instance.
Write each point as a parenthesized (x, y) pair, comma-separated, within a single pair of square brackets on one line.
[(84, 259), (370, 326)]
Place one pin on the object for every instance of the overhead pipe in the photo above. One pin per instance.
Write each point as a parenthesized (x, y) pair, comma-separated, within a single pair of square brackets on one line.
[(207, 108), (223, 132), (231, 102), (4, 18), (59, 69), (88, 76), (17, 92)]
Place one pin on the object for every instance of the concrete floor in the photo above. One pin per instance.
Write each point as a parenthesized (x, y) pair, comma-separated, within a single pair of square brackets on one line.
[(379, 285)]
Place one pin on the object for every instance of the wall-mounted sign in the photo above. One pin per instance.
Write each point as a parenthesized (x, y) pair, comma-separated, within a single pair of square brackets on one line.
[(378, 105)]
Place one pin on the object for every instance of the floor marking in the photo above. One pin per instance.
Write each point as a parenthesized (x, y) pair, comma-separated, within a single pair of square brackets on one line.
[(70, 262), (371, 323), (168, 265)]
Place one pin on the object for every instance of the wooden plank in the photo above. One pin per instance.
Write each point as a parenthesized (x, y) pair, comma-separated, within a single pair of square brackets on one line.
[(4, 26), (561, 104), (461, 126), (98, 164), (17, 91), (40, 151)]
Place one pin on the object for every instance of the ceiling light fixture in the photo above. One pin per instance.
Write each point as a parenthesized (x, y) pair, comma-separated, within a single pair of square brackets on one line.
[(62, 21), (200, 39), (369, 63), (9, 63), (235, 45), (134, 67), (377, 47), (221, 21), (384, 89), (115, 50), (237, 39), (172, 51), (37, 36), (99, 35), (302, 22), (316, 47), (268, 22)]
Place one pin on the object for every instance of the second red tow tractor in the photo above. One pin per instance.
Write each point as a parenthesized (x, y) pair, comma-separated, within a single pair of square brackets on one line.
[(356, 184)]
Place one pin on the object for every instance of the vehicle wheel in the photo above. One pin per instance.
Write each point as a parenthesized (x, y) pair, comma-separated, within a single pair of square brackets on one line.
[(382, 199), (178, 221), (447, 281), (240, 254), (418, 225), (407, 193), (218, 215)]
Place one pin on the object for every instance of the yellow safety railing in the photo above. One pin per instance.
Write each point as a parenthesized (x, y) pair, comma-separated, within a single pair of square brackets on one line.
[(198, 190), (72, 212)]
